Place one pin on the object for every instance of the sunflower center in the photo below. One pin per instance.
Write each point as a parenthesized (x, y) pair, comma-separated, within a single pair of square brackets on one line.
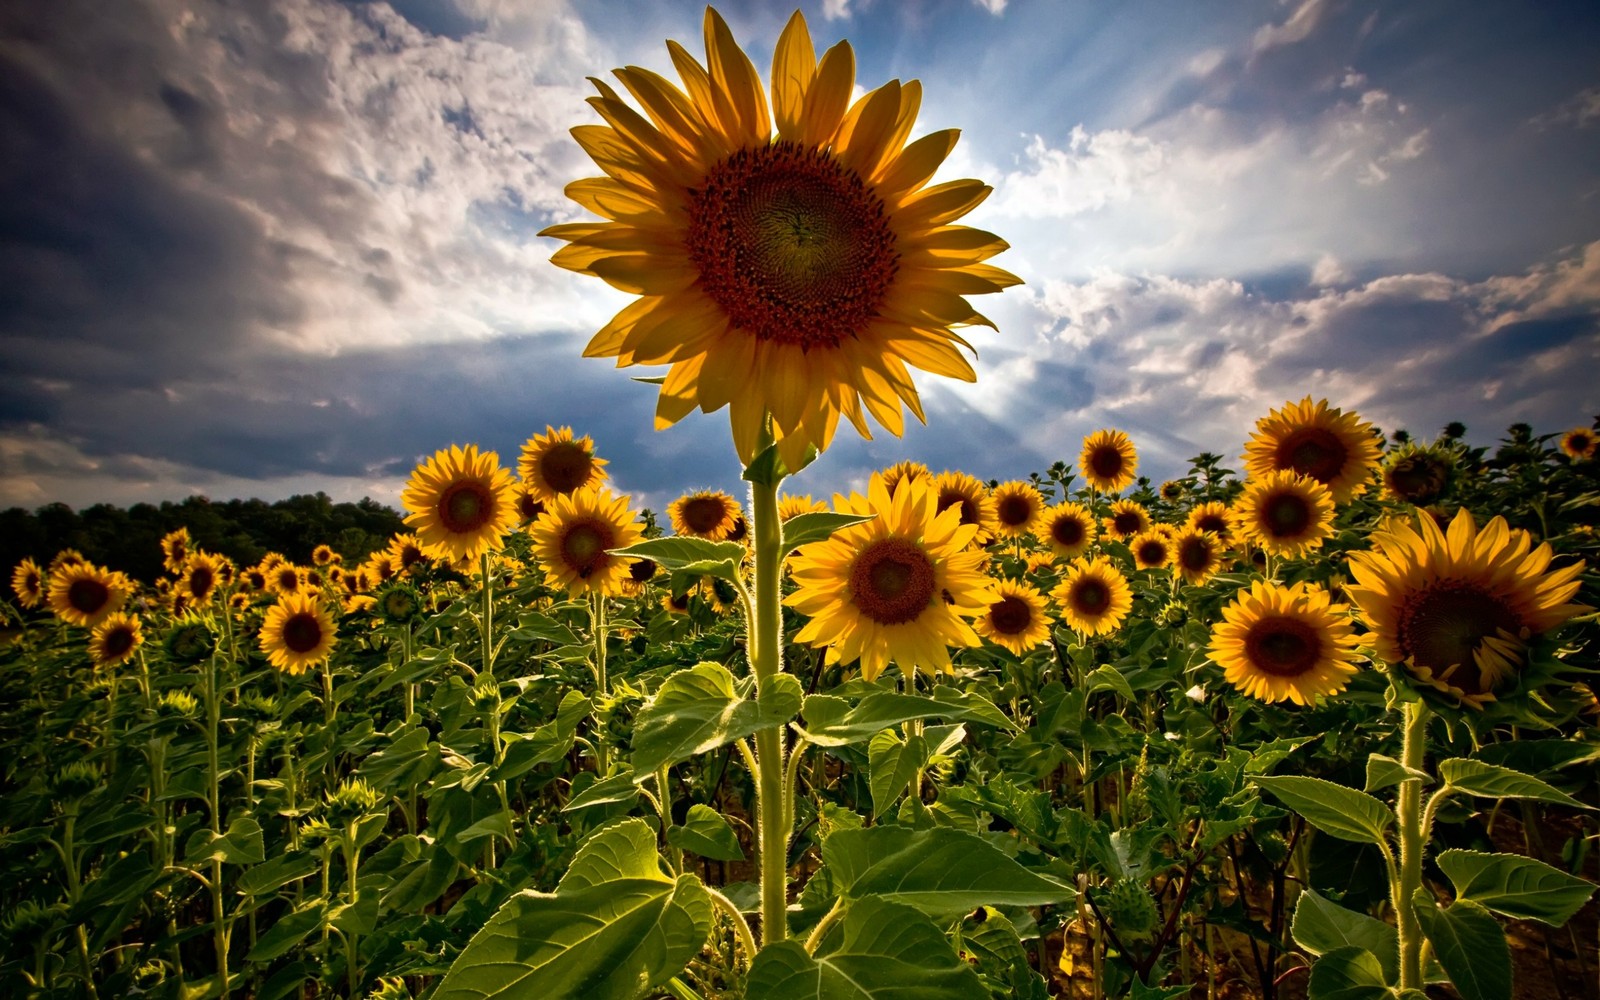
[(1444, 625), (1194, 555), (1127, 522), (1282, 647), (584, 546), (641, 570), (792, 245), (118, 642), (892, 581), (1417, 478), (529, 508), (302, 633), (1014, 511), (1312, 451), (1010, 615), (1089, 596), (88, 596), (1215, 523), (1067, 531), (465, 507), (1286, 515), (1106, 463), (288, 579), (1152, 552), (566, 466), (201, 580), (703, 515)]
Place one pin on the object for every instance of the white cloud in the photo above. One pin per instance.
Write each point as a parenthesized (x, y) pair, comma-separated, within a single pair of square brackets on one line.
[(833, 10), (995, 7), (1297, 28), (1579, 111)]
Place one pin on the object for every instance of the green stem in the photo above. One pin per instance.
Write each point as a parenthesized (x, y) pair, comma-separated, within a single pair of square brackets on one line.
[(824, 926), (1408, 814), (766, 662), (602, 683), (741, 927), (351, 945)]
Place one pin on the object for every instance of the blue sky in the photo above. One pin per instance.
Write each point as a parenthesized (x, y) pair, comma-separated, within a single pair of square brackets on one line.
[(258, 248)]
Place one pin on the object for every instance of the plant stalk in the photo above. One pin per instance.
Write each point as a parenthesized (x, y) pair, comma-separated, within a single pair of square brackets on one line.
[(1408, 814)]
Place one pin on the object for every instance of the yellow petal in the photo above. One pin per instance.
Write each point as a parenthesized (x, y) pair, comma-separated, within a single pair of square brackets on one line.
[(740, 100), (941, 204), (916, 163), (829, 96), (794, 65)]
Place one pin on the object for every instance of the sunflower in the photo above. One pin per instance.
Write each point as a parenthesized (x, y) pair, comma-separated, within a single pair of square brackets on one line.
[(66, 557), (1457, 607), (323, 555), (676, 604), (1196, 555), (1286, 513), (1018, 509), (405, 551), (378, 567), (796, 273), (793, 506), (29, 583), (1094, 596), (708, 514), (555, 464), (1337, 449), (529, 506), (460, 503), (573, 537), (1416, 475), (904, 470), (1172, 491), (253, 580), (1152, 548), (297, 634), (201, 575), (175, 550), (1213, 516), (114, 641), (83, 594), (1016, 619), (1069, 529), (956, 488), (1108, 460), (896, 587), (1580, 444), (287, 578), (640, 572), (1279, 643), (1128, 518)]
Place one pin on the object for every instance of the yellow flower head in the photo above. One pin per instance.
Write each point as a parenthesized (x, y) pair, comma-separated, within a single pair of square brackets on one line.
[(957, 489), (1580, 444), (1094, 596), (29, 583), (460, 503), (573, 537), (201, 575), (1108, 461), (1069, 529), (175, 549), (1196, 555), (1018, 509), (1016, 619), (555, 463), (114, 641), (1213, 516), (1128, 518), (1285, 513), (1322, 442), (85, 595), (1279, 643), (708, 514), (1151, 548), (297, 633)]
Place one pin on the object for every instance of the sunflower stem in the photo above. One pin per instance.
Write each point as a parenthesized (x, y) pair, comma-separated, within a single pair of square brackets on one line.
[(766, 662), (602, 684), (1408, 815)]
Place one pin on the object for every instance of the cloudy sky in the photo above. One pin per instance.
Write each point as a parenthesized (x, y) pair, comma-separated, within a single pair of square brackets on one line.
[(259, 247)]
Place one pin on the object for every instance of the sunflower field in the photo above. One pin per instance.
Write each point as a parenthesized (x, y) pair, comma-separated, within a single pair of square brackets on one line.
[(1323, 725)]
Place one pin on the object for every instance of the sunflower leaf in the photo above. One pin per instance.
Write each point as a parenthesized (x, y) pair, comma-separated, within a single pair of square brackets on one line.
[(1332, 808), (1469, 943), (1494, 782), (1348, 973), (816, 526), (940, 871), (700, 709), (688, 555), (832, 721), (707, 833), (1516, 886)]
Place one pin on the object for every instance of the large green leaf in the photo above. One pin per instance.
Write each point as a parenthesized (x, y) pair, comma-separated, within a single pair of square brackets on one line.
[(940, 871), (882, 951), (1495, 782), (619, 787), (700, 709), (1322, 927), (893, 764), (1516, 886), (1348, 973), (815, 526), (547, 743), (1334, 809), (1469, 943), (1384, 771), (241, 845), (615, 927), (678, 554), (706, 833), (287, 931), (832, 721)]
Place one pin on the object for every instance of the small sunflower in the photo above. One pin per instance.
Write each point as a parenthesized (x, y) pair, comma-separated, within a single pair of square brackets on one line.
[(1285, 513), (114, 641), (297, 634), (65, 558), (791, 506), (460, 503), (84, 594), (253, 580), (573, 537), (1152, 548), (201, 576), (175, 547), (1069, 529), (676, 604), (1172, 491), (555, 464), (640, 573), (1094, 596), (1418, 476), (1279, 643), (529, 506), (895, 588), (1016, 619), (904, 470), (1580, 444), (708, 514), (1213, 516), (29, 583), (1457, 607), (405, 552), (972, 495), (286, 579), (1322, 442), (1108, 461), (1196, 555), (378, 567), (1018, 509), (1128, 518), (323, 555)]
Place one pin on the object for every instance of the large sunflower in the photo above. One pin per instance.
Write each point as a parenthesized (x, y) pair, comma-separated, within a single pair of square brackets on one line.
[(957, 489), (1128, 518), (709, 514), (555, 463), (573, 537), (1213, 516), (84, 594), (1094, 596), (897, 587), (114, 641), (1457, 607), (796, 273), (1580, 444), (1287, 514), (461, 503), (1337, 449), (1279, 643), (1016, 619), (1069, 529), (1018, 509), (1108, 461), (297, 633), (29, 583)]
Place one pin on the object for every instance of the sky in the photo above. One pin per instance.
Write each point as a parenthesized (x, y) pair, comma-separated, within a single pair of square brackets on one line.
[(265, 247)]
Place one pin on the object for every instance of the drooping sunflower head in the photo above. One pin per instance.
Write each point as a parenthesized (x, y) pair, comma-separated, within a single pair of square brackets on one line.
[(28, 583), (85, 595), (201, 576), (175, 547), (1457, 607), (708, 514), (1580, 444), (1196, 555), (957, 489), (895, 588), (378, 567), (1069, 529), (114, 641), (297, 633), (1128, 518), (1018, 509), (555, 463), (1017, 619), (797, 270), (1094, 596), (1213, 516), (1417, 475), (460, 503), (1322, 442), (1151, 548), (677, 604), (1278, 643), (1285, 513), (573, 537), (1108, 461)]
